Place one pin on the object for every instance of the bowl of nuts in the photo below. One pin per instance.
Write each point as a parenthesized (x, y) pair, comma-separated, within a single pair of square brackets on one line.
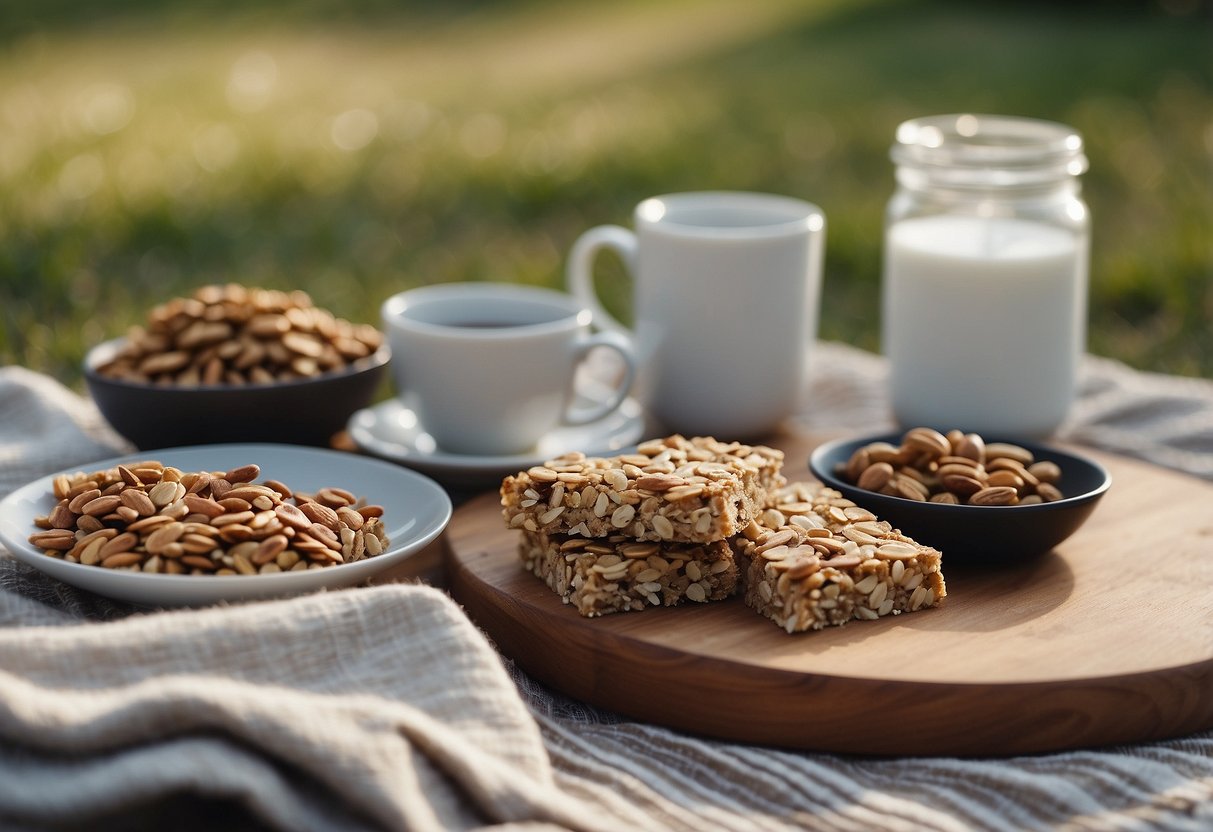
[(236, 364), (973, 499)]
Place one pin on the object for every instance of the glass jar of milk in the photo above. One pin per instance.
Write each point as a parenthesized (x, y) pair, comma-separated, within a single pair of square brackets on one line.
[(985, 274)]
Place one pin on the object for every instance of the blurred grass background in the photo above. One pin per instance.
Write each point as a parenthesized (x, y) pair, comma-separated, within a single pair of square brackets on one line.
[(355, 148)]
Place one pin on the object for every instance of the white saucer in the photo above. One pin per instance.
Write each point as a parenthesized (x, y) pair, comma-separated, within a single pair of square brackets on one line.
[(390, 430)]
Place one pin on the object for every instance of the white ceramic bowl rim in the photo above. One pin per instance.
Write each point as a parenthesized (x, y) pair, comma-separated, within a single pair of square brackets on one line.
[(564, 311), (775, 215)]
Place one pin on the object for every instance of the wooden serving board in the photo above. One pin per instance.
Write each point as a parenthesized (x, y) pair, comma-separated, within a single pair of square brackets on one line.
[(1107, 639)]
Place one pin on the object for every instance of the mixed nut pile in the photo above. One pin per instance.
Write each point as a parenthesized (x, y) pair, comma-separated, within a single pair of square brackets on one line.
[(959, 468), (151, 517), (237, 335)]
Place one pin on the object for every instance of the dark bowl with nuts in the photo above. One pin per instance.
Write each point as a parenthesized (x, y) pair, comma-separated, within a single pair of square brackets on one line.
[(976, 500), (232, 364)]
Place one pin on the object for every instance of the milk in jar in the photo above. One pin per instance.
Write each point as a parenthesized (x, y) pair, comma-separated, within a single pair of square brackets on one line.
[(985, 278)]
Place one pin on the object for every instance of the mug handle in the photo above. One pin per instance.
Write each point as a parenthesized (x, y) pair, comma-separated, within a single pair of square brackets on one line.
[(621, 345), (579, 274)]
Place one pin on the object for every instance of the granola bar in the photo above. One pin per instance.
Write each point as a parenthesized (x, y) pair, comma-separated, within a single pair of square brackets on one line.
[(816, 559), (672, 489), (617, 574)]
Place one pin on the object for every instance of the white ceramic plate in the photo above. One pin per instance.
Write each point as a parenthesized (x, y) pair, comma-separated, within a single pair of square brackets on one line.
[(390, 430), (416, 510)]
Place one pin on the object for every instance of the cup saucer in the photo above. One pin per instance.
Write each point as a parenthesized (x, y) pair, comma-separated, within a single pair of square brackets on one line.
[(390, 430)]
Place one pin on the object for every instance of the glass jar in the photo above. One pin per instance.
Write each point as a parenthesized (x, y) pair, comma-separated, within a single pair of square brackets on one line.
[(985, 274)]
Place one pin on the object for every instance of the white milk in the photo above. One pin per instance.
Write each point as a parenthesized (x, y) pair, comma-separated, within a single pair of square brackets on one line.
[(984, 322)]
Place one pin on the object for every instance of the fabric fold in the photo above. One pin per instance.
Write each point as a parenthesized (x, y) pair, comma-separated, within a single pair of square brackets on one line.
[(379, 705)]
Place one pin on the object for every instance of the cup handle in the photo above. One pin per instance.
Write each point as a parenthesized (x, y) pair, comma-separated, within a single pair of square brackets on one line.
[(579, 274), (621, 345)]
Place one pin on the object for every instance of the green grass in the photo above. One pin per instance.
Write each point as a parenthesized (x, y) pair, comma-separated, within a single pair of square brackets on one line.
[(165, 145)]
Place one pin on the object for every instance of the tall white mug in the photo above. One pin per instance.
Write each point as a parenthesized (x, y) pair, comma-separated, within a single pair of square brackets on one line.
[(726, 289)]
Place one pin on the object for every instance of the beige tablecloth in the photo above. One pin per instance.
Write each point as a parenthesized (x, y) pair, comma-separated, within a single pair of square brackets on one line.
[(384, 708)]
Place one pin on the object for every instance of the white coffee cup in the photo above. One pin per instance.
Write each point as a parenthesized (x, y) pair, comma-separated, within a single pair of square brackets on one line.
[(488, 368), (725, 302)]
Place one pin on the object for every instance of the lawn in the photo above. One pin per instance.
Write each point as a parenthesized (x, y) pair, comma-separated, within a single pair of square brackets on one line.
[(356, 148)]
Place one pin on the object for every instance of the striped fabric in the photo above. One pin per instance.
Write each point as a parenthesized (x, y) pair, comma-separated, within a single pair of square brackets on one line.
[(597, 770)]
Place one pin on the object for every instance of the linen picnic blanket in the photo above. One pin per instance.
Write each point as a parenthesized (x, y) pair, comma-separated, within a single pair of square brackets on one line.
[(385, 708)]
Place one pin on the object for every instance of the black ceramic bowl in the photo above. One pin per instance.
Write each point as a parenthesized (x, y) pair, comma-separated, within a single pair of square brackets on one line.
[(304, 412), (975, 534)]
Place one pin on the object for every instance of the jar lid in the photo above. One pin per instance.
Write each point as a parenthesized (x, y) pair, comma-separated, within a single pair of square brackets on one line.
[(997, 149)]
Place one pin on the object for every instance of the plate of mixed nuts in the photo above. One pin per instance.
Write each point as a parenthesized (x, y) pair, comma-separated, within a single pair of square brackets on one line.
[(973, 498), (199, 525)]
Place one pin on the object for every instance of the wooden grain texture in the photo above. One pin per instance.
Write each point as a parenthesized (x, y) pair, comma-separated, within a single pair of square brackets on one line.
[(1108, 639)]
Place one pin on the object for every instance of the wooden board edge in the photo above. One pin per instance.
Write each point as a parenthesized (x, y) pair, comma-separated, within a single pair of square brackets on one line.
[(836, 714)]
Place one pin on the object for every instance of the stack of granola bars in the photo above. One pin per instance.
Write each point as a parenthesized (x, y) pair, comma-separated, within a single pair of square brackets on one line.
[(698, 518)]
